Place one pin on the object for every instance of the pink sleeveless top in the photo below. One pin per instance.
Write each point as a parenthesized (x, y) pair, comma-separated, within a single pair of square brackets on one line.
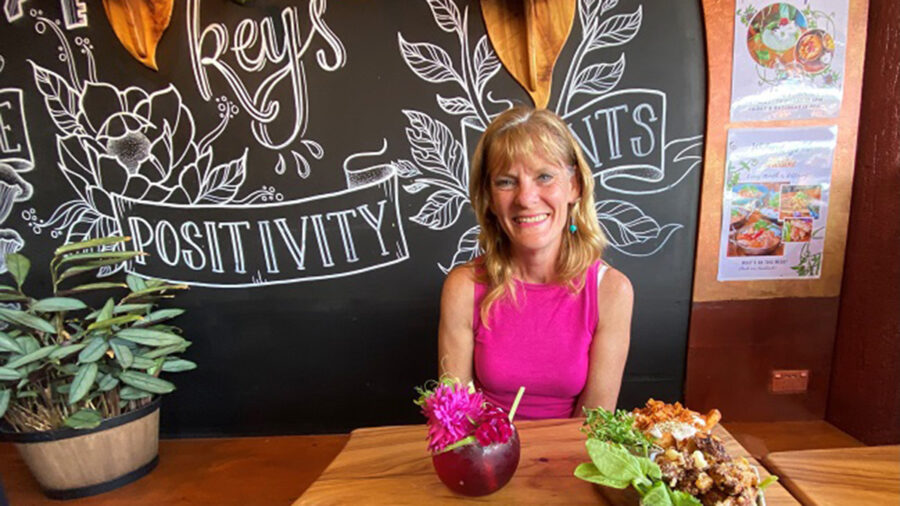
[(543, 343)]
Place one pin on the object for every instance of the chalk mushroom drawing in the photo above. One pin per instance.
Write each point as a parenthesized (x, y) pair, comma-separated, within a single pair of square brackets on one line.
[(646, 165), (15, 158)]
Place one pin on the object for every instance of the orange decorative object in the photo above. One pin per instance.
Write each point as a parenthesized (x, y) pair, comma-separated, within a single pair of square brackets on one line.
[(139, 24), (528, 36)]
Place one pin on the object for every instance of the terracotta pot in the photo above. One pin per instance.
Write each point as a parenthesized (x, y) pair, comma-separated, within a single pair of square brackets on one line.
[(70, 463)]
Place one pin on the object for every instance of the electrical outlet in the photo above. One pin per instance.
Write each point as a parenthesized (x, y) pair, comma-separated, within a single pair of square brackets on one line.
[(790, 381)]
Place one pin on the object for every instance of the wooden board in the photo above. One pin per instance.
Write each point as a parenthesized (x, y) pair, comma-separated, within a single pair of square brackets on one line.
[(390, 464), (868, 475)]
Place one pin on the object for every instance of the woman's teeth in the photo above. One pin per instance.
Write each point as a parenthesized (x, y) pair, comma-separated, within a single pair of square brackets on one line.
[(531, 219)]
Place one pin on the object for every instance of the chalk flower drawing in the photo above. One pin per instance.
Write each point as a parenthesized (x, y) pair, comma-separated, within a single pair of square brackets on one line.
[(440, 162), (127, 142)]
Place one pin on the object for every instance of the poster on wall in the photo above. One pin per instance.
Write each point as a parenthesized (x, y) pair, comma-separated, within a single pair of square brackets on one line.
[(788, 60), (775, 206)]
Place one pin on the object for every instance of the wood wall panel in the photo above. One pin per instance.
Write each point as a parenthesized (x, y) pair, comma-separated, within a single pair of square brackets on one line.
[(719, 16), (735, 345), (865, 387)]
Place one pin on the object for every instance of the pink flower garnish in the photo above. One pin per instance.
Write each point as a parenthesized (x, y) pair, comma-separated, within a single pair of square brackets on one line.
[(494, 427), (452, 413)]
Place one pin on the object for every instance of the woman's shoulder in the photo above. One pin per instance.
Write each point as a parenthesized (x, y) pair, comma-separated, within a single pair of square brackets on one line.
[(460, 280), (614, 285)]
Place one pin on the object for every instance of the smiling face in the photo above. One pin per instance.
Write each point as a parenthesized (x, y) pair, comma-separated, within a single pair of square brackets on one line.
[(530, 199)]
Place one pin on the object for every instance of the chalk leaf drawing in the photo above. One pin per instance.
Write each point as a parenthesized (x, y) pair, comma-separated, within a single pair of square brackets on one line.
[(128, 142), (440, 162)]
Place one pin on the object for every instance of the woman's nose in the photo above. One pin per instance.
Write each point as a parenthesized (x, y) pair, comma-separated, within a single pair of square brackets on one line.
[(526, 194)]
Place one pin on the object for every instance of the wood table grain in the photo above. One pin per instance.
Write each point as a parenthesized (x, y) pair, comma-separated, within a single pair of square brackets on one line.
[(859, 476), (391, 465)]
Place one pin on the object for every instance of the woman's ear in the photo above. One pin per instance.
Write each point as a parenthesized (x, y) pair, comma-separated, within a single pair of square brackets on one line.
[(575, 191)]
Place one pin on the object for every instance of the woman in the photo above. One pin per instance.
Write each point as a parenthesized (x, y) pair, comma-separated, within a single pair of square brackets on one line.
[(539, 308)]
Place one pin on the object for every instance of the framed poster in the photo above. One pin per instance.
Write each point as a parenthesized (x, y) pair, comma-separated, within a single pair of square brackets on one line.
[(788, 60), (775, 205)]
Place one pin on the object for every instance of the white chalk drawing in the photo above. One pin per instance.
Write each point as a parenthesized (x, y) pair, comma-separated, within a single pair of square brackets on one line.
[(74, 13), (15, 158), (622, 132), (255, 46), (13, 9), (140, 168)]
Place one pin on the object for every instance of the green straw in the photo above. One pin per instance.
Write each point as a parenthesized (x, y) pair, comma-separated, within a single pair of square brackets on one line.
[(515, 404)]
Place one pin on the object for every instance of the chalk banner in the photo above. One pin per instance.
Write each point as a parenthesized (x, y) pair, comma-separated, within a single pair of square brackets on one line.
[(319, 237)]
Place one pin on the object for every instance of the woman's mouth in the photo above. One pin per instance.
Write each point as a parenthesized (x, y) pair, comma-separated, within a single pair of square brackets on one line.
[(531, 219)]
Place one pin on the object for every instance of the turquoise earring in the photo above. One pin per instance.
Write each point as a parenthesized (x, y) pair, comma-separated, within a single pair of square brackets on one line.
[(572, 226)]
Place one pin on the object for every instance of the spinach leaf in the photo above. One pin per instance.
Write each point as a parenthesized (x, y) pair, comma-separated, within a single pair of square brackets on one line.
[(658, 495), (613, 461), (589, 472)]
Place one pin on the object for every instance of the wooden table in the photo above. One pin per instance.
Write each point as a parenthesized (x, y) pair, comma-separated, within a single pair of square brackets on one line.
[(220, 471), (858, 476), (391, 465)]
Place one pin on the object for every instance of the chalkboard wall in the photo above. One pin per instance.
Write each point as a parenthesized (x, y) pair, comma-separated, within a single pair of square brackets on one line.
[(303, 167)]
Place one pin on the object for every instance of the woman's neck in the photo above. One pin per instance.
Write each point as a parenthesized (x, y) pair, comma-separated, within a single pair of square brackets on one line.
[(535, 266)]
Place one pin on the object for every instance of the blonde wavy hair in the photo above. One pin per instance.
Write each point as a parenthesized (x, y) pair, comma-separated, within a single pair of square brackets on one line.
[(521, 133)]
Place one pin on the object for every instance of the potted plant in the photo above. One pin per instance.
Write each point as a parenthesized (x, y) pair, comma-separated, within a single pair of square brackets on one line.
[(79, 388)]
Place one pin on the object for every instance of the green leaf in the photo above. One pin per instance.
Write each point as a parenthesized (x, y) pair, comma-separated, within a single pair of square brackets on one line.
[(161, 315), (107, 311), (5, 394), (133, 394), (658, 495), (117, 320), (650, 468), (107, 382), (123, 354), (768, 480), (613, 461), (9, 374), (24, 319), (123, 308), (149, 337), (142, 362), (9, 344), (157, 366), (28, 343), (93, 243), (54, 304), (18, 266), (32, 357), (135, 283), (166, 350), (82, 383), (154, 289), (146, 382), (95, 349), (120, 256), (84, 419), (680, 498), (12, 297), (589, 472), (66, 350), (178, 365), (93, 286)]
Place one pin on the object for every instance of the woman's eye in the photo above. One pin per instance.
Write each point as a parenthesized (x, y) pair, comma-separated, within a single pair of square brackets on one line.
[(545, 177), (503, 183)]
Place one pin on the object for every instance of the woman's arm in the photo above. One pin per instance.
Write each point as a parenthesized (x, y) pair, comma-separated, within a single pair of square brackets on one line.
[(456, 340), (609, 349)]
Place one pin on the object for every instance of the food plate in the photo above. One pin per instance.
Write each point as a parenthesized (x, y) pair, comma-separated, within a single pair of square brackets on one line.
[(814, 50), (759, 238), (773, 33)]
